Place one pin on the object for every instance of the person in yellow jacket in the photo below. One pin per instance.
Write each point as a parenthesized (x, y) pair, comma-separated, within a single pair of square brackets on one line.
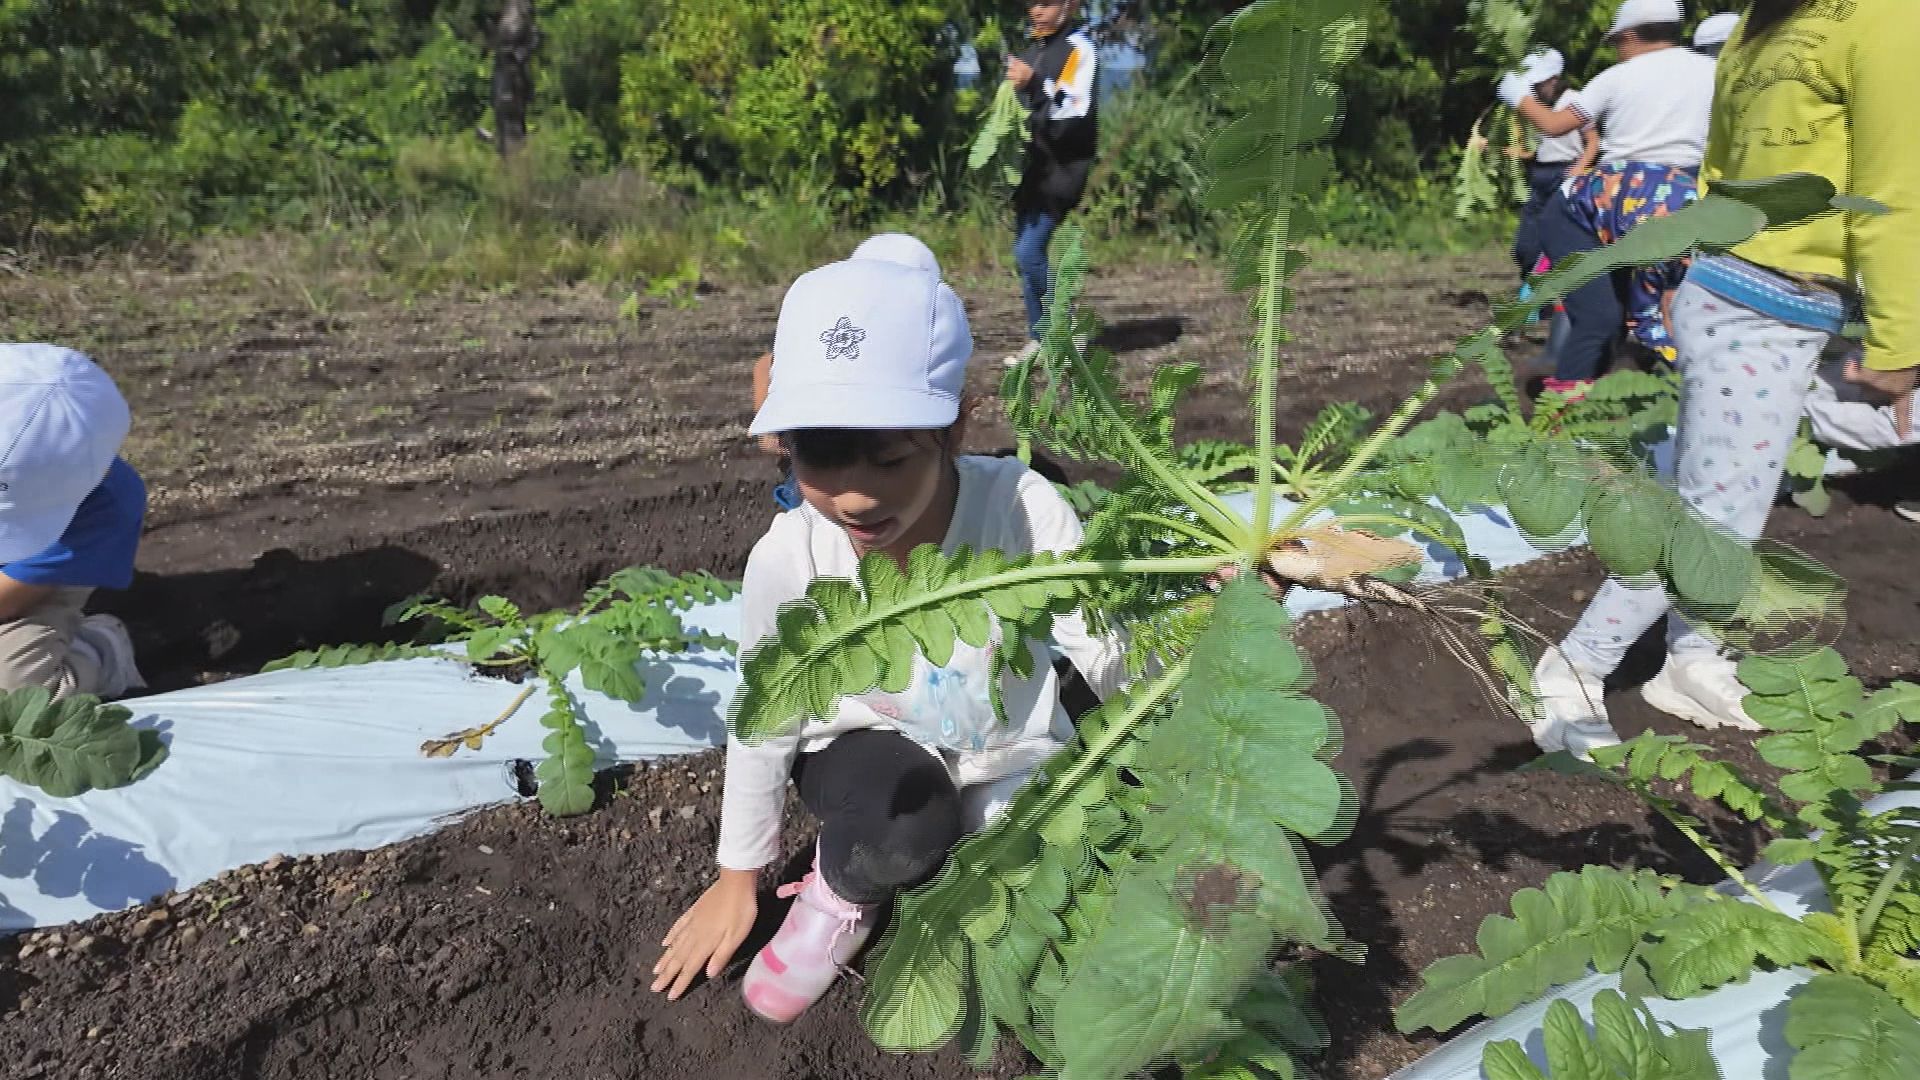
[(1804, 86)]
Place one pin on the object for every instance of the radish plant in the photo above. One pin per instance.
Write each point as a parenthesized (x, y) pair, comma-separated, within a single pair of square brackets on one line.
[(1859, 1016), (633, 613), (72, 746), (1503, 32), (1002, 135), (1123, 913)]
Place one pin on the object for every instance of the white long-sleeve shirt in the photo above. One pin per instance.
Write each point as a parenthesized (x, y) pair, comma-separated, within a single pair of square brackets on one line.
[(1002, 505)]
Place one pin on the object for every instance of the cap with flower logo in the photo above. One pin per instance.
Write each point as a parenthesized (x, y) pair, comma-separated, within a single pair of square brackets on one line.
[(878, 341)]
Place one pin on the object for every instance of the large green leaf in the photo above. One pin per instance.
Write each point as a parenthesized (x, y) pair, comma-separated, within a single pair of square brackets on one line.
[(1594, 917), (1155, 992), (1236, 775), (1849, 1029), (1726, 217), (71, 746), (1625, 1043), (1710, 946), (846, 638), (998, 892), (924, 969), (566, 775)]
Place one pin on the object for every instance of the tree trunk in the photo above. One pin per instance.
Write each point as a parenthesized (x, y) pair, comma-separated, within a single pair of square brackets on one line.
[(514, 39)]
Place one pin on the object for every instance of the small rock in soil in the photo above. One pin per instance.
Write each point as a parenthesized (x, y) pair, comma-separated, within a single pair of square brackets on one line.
[(189, 936), (686, 812), (653, 817)]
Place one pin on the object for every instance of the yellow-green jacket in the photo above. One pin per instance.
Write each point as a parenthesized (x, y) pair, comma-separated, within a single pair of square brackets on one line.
[(1833, 90)]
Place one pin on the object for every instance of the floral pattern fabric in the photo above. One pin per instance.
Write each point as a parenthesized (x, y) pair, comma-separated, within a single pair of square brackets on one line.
[(1745, 379), (1609, 202)]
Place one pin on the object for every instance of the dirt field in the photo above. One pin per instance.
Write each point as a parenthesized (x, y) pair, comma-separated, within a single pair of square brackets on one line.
[(310, 466)]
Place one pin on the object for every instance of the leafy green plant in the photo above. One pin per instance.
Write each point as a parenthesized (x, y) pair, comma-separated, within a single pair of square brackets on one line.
[(1806, 473), (1859, 1016), (74, 745), (1002, 135), (1503, 32), (1124, 911), (635, 612), (1625, 1043)]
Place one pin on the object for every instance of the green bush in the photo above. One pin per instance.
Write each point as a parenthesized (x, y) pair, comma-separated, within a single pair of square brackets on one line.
[(819, 95)]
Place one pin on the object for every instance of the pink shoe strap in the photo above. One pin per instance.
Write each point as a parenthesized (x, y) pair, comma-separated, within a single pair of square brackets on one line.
[(847, 914)]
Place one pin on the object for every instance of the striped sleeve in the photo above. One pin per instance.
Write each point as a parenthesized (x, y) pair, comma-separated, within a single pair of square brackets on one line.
[(1591, 102), (1072, 93)]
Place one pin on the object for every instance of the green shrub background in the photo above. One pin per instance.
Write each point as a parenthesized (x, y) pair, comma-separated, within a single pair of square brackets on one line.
[(732, 136)]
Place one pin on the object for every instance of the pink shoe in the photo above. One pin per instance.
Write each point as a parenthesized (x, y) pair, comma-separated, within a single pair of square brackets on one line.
[(1570, 389), (821, 934)]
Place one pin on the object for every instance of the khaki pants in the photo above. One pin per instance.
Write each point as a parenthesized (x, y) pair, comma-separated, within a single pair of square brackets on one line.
[(37, 650)]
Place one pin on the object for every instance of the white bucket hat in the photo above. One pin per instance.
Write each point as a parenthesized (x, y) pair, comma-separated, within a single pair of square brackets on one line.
[(61, 422), (876, 342), (1543, 65), (1634, 13), (1715, 30)]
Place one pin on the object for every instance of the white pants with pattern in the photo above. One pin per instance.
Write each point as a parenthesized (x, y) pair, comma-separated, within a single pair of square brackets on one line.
[(1745, 380)]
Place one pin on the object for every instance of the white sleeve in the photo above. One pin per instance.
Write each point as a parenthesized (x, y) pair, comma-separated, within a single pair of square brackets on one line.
[(1072, 93), (753, 791), (1593, 102), (1053, 527)]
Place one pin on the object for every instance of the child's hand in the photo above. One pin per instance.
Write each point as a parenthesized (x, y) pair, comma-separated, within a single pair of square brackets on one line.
[(1895, 385), (1019, 72), (705, 937)]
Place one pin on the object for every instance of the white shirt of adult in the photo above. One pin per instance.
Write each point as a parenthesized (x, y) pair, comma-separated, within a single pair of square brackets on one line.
[(1001, 504), (1653, 108)]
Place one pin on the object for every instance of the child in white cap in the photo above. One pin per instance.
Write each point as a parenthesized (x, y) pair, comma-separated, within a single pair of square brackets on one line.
[(1714, 32), (1553, 157), (1652, 109), (870, 356), (70, 514)]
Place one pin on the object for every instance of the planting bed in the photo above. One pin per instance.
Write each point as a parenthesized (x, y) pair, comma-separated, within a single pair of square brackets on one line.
[(513, 945)]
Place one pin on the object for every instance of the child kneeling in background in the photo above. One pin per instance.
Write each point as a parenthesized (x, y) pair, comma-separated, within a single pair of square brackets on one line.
[(70, 514), (865, 397)]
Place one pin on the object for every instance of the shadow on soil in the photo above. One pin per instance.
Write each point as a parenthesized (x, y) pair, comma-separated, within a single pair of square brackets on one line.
[(1394, 839), (241, 618)]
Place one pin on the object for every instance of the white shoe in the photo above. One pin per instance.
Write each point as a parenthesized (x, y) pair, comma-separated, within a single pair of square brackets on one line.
[(1570, 713), (1014, 360), (106, 637), (1703, 689)]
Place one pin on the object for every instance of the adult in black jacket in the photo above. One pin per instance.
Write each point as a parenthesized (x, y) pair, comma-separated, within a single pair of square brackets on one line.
[(1055, 78)]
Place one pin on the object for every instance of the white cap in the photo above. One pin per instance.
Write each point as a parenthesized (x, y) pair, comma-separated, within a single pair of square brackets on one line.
[(1634, 13), (1715, 30), (61, 422), (895, 247), (867, 343), (1543, 65)]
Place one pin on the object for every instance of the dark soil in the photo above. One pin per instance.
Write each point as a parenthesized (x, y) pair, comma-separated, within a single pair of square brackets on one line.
[(512, 945)]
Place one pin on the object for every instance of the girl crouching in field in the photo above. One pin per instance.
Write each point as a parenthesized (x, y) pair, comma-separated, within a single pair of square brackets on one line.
[(865, 397)]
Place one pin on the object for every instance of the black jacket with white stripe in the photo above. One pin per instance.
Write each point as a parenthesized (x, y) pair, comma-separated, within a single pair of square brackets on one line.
[(1063, 119)]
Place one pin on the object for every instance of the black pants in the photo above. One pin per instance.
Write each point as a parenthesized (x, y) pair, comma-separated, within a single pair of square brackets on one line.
[(1597, 310), (888, 813), (1542, 182)]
